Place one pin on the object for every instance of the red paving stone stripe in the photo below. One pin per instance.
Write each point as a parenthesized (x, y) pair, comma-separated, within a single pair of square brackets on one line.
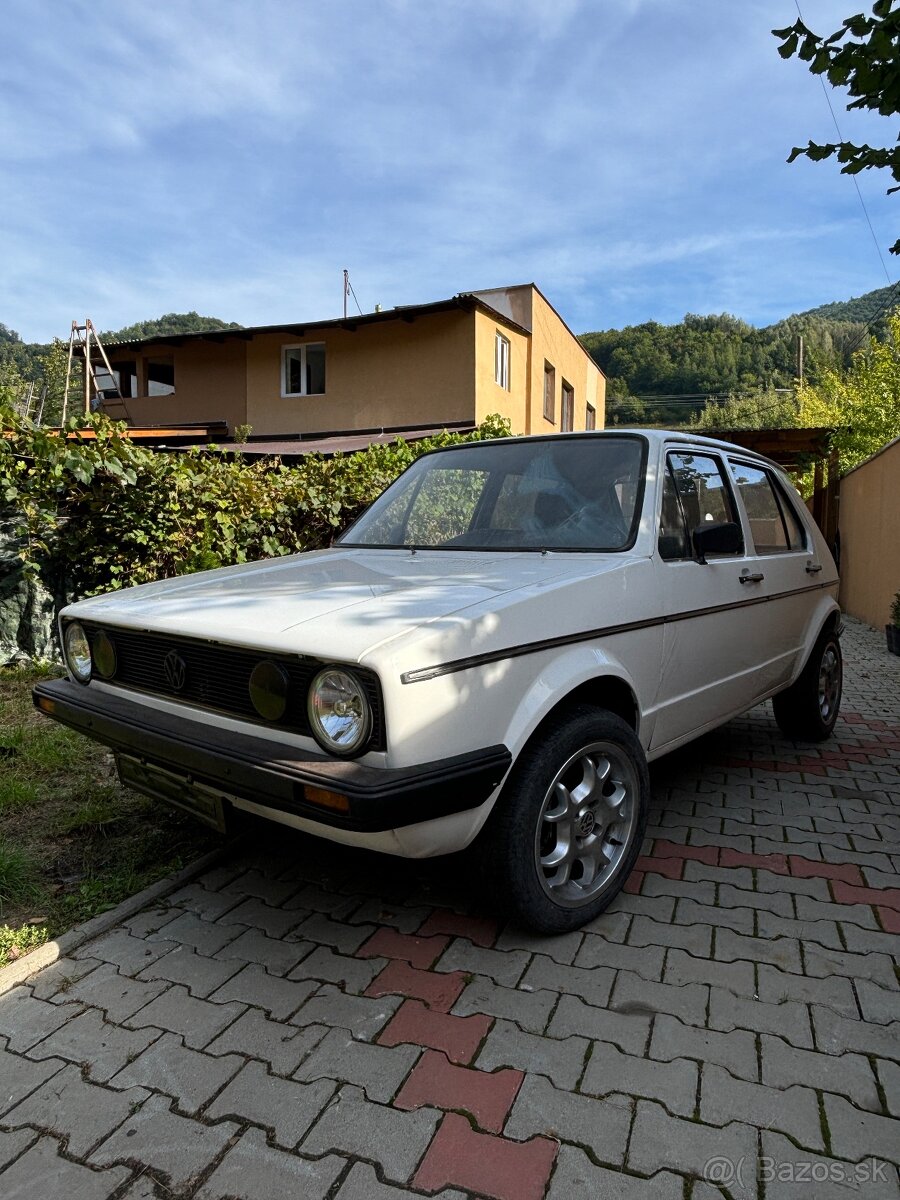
[(491, 1166), (670, 867), (421, 952), (883, 897), (458, 1037), (889, 918), (768, 862), (704, 854), (804, 868), (439, 991), (482, 931), (488, 1096), (634, 883)]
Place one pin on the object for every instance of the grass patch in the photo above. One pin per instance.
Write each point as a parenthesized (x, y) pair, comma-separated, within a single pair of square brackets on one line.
[(73, 841)]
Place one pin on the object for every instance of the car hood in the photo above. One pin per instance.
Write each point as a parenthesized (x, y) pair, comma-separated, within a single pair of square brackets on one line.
[(341, 603)]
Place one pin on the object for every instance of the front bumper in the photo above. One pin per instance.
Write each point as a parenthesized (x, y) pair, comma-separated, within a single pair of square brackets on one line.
[(276, 774)]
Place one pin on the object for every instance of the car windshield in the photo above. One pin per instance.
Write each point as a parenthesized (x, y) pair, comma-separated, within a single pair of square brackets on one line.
[(560, 493)]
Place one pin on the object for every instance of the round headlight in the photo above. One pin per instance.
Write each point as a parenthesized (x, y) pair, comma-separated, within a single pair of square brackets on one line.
[(269, 690), (104, 655), (339, 712), (78, 652)]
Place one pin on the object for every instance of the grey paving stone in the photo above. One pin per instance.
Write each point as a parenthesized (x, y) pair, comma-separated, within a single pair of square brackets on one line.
[(25, 1020), (196, 898), (824, 933), (823, 963), (99, 1046), (561, 947), (376, 911), (177, 1011), (286, 1107), (770, 901), (274, 922), (847, 1074), (191, 930), (315, 898), (690, 889), (199, 974), (806, 849), (852, 914), (612, 924), (562, 1061), (324, 932), (659, 1141), (632, 994), (42, 1172), (19, 1076), (353, 974), (542, 1109), (769, 881), (379, 1070), (629, 1031), (254, 985), (363, 1016), (129, 954), (694, 938), (865, 941), (790, 1020), (363, 1184), (71, 1108), (734, 976), (575, 1177), (117, 994), (529, 1009), (793, 1110), (879, 1005), (735, 1050), (836, 993), (353, 1125), (657, 908), (792, 1174), (781, 952), (592, 984), (253, 946), (179, 1148), (673, 1083), (186, 1075), (503, 966), (889, 1078), (281, 1045), (54, 982), (646, 961), (688, 912), (13, 1143), (856, 1134), (741, 877), (836, 1034), (252, 1169), (256, 883)]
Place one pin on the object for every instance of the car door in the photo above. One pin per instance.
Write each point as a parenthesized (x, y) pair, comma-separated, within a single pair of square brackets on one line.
[(781, 545), (713, 611)]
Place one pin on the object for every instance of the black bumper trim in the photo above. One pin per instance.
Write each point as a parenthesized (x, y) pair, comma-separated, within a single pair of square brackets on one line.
[(273, 773)]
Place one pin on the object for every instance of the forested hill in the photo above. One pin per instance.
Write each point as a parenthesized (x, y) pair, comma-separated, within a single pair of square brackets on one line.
[(870, 308)]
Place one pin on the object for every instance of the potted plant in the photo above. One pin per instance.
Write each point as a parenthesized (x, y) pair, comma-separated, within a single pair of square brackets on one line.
[(893, 630)]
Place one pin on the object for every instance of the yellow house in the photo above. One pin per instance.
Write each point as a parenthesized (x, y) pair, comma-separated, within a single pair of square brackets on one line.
[(451, 362)]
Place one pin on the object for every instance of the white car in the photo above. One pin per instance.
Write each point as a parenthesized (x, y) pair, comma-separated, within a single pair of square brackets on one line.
[(495, 649)]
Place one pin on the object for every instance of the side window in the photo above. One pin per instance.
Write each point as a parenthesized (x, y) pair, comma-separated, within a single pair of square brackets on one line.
[(795, 528), (702, 490), (673, 539), (773, 526)]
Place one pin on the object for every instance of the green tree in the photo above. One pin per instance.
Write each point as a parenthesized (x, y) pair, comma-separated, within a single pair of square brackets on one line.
[(862, 56)]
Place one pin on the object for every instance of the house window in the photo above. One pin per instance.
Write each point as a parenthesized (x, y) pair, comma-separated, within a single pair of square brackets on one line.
[(160, 376), (501, 361), (123, 380), (549, 391), (303, 370), (590, 417), (568, 408)]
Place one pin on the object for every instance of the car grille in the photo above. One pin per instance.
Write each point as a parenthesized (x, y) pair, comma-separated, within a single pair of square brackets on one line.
[(217, 677)]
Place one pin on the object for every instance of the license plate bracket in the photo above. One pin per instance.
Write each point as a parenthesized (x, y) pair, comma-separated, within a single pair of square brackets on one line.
[(199, 799)]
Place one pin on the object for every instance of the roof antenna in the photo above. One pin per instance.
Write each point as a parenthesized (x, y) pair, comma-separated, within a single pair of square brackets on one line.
[(346, 290)]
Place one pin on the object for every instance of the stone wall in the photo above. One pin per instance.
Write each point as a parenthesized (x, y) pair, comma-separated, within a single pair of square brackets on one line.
[(27, 610)]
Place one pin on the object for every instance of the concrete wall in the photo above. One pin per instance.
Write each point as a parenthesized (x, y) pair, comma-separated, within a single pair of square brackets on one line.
[(870, 536), (491, 398), (395, 374), (210, 384)]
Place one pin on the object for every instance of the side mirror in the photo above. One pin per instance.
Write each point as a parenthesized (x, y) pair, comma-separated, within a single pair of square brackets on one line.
[(722, 538)]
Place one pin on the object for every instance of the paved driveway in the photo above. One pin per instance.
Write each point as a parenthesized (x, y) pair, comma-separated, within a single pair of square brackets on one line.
[(305, 1021)]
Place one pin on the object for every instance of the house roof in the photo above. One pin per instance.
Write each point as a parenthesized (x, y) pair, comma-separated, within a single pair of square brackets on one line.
[(466, 301)]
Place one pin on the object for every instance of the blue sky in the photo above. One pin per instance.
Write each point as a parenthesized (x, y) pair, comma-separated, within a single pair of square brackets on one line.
[(233, 158)]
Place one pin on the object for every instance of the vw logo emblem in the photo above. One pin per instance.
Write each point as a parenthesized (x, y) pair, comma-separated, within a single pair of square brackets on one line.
[(176, 671), (586, 824)]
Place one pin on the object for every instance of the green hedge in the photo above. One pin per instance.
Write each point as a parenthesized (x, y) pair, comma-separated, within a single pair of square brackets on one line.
[(93, 514)]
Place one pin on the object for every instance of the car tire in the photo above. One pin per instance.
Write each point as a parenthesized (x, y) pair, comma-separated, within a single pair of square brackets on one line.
[(569, 823), (808, 709)]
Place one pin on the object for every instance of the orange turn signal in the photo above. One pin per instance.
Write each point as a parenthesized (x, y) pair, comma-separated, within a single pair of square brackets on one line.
[(45, 704), (326, 799)]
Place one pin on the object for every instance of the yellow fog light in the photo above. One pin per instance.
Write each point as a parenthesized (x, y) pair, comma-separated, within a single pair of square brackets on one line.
[(269, 684)]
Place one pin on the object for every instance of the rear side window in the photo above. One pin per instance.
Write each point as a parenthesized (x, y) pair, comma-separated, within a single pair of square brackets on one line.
[(774, 526)]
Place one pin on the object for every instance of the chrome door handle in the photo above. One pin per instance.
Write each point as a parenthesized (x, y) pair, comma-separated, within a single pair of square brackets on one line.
[(752, 578), (813, 568)]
